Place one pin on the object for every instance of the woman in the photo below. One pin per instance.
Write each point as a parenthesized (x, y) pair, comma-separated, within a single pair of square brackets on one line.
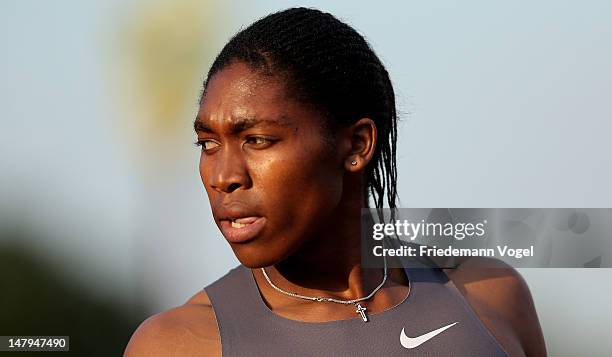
[(297, 125)]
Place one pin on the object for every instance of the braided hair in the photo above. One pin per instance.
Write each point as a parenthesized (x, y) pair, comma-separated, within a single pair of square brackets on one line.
[(331, 68)]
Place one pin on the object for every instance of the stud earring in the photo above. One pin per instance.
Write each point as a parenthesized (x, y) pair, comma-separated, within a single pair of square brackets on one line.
[(354, 162)]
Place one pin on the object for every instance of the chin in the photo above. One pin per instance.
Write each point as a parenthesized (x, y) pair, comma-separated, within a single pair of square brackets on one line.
[(260, 253), (254, 255)]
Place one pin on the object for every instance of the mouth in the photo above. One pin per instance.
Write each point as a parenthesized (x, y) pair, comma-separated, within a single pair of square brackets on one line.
[(242, 229)]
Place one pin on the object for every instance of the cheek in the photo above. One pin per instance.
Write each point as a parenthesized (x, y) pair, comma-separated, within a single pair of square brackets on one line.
[(201, 170), (204, 175), (301, 187)]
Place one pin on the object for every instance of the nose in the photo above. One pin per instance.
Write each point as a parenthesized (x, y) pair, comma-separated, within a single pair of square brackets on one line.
[(229, 171)]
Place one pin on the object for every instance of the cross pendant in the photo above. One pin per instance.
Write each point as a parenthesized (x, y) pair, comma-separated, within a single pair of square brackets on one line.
[(361, 311)]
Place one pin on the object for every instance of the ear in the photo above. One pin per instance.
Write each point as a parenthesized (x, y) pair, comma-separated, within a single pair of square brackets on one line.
[(363, 144)]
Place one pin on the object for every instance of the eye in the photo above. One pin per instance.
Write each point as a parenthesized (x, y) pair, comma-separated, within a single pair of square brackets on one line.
[(259, 141), (206, 144)]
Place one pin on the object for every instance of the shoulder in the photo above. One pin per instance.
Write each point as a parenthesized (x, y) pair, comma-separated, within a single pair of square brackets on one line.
[(501, 298), (187, 330)]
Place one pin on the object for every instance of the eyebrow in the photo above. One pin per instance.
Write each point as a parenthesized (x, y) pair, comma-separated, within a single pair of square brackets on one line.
[(239, 124)]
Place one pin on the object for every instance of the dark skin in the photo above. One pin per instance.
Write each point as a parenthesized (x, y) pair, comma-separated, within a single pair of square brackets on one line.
[(261, 150)]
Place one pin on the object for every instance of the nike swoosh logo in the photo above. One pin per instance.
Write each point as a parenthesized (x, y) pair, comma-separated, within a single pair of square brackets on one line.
[(412, 342)]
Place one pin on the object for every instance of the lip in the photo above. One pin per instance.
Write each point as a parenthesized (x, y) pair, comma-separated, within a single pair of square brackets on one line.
[(244, 234)]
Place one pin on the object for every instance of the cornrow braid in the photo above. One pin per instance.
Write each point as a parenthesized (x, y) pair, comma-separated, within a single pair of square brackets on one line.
[(331, 67)]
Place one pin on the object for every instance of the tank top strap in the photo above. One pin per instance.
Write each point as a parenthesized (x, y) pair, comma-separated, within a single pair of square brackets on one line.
[(235, 297)]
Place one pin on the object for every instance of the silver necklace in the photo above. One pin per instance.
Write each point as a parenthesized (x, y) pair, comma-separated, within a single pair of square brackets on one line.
[(360, 309)]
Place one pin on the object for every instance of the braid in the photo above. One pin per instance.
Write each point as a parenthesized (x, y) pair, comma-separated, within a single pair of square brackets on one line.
[(332, 68)]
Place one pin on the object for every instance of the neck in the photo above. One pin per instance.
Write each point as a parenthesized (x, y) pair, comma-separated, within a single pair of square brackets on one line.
[(329, 263)]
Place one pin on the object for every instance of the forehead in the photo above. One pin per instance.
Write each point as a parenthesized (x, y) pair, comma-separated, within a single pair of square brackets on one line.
[(237, 91)]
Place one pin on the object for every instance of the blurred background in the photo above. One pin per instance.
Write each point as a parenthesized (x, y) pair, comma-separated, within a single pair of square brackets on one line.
[(104, 220)]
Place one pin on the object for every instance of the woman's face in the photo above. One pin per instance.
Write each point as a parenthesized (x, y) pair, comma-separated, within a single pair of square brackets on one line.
[(272, 179)]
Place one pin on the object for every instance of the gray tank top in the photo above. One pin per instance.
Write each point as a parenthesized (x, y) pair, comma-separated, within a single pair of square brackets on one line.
[(249, 328)]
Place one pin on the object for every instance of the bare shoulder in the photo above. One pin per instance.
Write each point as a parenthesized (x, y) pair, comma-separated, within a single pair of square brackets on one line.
[(501, 298), (186, 330)]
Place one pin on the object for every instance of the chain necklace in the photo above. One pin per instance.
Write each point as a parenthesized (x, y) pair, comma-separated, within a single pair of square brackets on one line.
[(360, 309)]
